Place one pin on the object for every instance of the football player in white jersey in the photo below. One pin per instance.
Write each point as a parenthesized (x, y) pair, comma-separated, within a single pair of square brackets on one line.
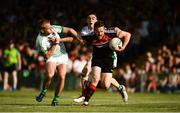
[(85, 32), (52, 47)]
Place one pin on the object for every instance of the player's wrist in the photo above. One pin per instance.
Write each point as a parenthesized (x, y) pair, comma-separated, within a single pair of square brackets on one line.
[(55, 43)]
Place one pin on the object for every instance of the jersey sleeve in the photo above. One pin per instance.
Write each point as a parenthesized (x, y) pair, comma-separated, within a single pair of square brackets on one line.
[(58, 29), (112, 31)]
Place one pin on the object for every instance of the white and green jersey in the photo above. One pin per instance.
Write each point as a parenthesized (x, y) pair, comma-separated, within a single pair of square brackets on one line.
[(43, 44)]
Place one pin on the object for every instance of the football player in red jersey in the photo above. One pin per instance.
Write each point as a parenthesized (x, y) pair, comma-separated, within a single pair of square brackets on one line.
[(102, 61)]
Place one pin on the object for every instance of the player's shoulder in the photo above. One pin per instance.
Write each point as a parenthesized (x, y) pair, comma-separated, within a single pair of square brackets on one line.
[(84, 28), (56, 26), (86, 31), (39, 38), (110, 32)]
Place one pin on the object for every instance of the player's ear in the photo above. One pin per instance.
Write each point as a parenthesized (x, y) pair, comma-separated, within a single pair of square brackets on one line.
[(42, 31)]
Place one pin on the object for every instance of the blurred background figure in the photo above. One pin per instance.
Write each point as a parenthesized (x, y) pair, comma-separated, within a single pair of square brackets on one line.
[(1, 68), (12, 64), (173, 80)]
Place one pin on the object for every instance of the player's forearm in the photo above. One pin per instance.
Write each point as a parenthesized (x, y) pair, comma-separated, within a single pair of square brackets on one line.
[(126, 39), (75, 35), (49, 53), (66, 39)]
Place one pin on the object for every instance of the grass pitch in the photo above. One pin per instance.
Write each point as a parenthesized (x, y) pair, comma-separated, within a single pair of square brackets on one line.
[(102, 101)]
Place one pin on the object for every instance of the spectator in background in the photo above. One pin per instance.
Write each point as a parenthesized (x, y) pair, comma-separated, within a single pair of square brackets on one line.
[(41, 70), (152, 79), (78, 66), (132, 83), (160, 64), (177, 58), (173, 80), (1, 67), (166, 53), (127, 72), (12, 64), (149, 62)]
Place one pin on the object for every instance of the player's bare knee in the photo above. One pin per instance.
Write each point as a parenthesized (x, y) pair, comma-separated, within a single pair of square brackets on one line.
[(50, 74), (96, 80), (62, 77), (107, 85), (49, 77)]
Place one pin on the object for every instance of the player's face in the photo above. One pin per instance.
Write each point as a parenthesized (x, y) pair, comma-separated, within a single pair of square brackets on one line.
[(99, 31), (91, 19), (11, 45), (46, 28)]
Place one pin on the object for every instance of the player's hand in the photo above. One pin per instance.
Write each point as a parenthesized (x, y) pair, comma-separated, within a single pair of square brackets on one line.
[(81, 41), (54, 40), (120, 49)]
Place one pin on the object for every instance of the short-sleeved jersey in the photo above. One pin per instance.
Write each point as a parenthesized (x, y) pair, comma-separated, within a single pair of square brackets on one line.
[(101, 47), (86, 31), (43, 44), (12, 56), (88, 34)]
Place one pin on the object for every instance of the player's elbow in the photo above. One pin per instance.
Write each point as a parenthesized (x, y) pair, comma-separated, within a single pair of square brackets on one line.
[(128, 34), (71, 30), (47, 55)]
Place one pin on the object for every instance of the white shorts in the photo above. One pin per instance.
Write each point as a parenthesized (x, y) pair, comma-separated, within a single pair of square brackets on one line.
[(59, 59)]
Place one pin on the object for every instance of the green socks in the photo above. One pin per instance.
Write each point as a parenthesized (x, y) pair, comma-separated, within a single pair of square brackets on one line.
[(119, 88), (44, 91), (56, 99)]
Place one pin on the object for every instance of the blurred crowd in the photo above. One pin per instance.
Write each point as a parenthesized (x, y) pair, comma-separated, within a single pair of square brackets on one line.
[(160, 72), (150, 26)]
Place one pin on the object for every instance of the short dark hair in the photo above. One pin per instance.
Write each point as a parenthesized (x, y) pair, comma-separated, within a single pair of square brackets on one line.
[(42, 21), (99, 23), (92, 13), (11, 41)]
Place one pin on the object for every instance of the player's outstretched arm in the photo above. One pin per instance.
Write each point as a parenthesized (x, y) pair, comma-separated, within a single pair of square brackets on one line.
[(65, 39), (74, 34)]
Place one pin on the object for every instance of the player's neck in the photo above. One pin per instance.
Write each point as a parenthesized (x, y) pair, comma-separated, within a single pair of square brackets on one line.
[(91, 28), (46, 34)]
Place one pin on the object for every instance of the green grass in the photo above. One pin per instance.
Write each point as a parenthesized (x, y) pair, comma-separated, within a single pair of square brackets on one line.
[(24, 101)]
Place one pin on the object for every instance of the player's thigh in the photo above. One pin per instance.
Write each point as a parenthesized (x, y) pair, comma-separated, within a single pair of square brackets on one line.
[(106, 79), (61, 70), (50, 68), (96, 74)]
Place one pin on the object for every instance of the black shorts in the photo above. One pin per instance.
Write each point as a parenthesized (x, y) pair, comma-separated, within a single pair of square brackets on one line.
[(106, 64), (10, 68)]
